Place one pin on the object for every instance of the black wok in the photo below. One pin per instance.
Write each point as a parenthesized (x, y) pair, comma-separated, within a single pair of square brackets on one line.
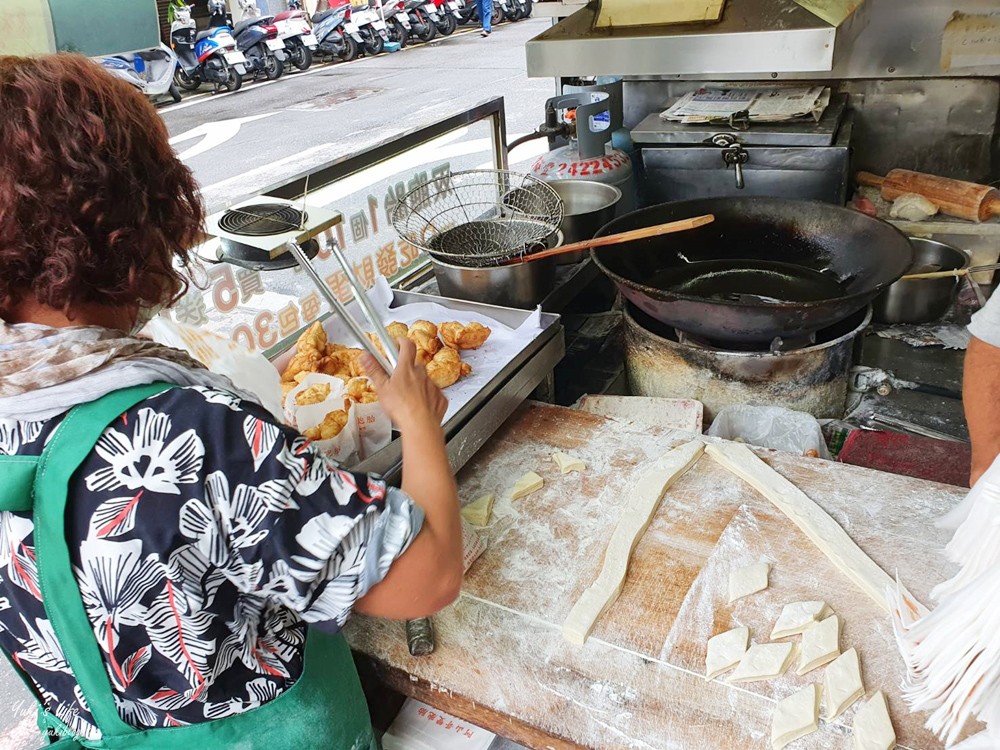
[(826, 262)]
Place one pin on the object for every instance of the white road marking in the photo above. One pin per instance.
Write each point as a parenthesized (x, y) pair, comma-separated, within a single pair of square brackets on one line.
[(213, 134), (316, 68)]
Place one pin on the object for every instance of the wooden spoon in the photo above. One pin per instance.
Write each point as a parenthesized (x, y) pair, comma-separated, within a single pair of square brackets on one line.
[(617, 239), (947, 274)]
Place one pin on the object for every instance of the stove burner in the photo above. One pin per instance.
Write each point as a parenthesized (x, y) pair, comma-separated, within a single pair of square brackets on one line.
[(779, 344), (262, 219)]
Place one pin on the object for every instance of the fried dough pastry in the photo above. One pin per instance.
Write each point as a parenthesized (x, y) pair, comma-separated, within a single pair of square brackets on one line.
[(331, 426), (314, 394), (360, 391), (425, 326), (425, 341), (304, 361), (287, 386), (458, 336), (466, 369), (313, 339), (445, 368), (397, 330)]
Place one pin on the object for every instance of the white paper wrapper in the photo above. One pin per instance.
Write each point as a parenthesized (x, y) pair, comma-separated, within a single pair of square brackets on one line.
[(473, 545), (249, 371), (367, 431)]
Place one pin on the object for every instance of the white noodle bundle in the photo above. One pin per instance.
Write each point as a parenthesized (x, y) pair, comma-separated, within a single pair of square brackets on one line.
[(952, 654)]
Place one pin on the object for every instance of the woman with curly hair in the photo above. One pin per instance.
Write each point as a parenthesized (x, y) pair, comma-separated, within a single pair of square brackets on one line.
[(175, 566)]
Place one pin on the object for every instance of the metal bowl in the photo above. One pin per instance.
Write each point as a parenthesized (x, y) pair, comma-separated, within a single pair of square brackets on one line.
[(587, 206), (523, 285), (922, 300)]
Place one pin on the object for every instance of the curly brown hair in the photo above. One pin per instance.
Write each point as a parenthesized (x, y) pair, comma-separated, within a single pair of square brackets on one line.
[(94, 205)]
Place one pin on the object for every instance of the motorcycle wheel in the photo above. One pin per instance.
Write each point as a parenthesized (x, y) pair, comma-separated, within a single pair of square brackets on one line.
[(351, 49), (187, 83), (174, 92), (398, 33), (235, 81), (430, 30), (375, 45), (302, 57), (498, 14), (448, 25), (526, 13), (273, 68)]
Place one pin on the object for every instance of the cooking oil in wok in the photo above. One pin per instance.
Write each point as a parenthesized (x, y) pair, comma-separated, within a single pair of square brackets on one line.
[(752, 282)]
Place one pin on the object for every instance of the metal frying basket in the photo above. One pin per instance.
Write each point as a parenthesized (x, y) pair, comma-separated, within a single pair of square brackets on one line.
[(480, 217)]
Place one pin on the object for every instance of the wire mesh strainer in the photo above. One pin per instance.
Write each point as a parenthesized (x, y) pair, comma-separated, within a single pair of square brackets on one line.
[(480, 217)]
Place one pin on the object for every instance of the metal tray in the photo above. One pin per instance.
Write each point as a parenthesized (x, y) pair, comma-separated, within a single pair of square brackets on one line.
[(473, 424)]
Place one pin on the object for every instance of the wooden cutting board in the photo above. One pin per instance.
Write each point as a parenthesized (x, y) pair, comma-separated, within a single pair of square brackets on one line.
[(501, 661)]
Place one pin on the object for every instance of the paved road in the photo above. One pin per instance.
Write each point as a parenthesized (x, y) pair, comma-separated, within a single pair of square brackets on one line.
[(239, 143)]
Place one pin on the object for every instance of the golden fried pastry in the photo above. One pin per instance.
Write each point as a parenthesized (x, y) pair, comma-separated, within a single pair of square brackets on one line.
[(466, 369), (426, 327), (354, 362), (445, 368), (314, 394), (397, 330), (334, 348), (303, 362), (458, 336), (287, 386), (359, 391), (313, 339), (425, 341), (331, 426)]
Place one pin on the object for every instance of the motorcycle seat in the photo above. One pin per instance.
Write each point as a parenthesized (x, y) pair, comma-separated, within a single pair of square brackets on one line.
[(204, 34), (318, 17), (284, 14)]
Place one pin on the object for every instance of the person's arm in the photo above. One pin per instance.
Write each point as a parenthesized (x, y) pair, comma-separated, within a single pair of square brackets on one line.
[(981, 399), (428, 575)]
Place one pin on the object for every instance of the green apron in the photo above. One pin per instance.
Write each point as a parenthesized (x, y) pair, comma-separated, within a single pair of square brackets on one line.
[(325, 708)]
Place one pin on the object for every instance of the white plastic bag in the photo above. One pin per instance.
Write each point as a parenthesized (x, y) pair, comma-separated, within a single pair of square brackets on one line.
[(248, 370), (771, 427)]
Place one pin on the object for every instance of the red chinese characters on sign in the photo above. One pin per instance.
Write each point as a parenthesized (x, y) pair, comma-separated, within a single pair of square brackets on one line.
[(191, 309), (288, 319), (250, 283), (365, 271), (242, 334), (311, 307), (386, 260), (263, 326), (225, 293), (339, 285)]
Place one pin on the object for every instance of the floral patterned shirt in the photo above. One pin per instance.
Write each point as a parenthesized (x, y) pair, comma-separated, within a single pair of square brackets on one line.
[(204, 537)]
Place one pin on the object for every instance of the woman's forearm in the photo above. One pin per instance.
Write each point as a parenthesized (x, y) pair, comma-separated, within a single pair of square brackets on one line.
[(981, 398)]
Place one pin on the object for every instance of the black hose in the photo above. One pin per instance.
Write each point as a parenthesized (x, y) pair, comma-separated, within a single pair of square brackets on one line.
[(524, 139)]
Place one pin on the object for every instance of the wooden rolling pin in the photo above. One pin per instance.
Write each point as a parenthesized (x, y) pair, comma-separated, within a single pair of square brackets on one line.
[(963, 200)]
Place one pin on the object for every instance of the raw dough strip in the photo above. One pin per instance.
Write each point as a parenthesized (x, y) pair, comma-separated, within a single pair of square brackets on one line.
[(646, 496), (815, 522)]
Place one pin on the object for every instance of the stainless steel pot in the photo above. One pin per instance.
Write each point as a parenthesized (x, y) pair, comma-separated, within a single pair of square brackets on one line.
[(523, 285), (922, 300), (587, 206)]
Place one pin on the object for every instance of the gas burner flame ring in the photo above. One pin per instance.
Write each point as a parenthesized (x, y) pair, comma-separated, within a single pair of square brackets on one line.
[(262, 219)]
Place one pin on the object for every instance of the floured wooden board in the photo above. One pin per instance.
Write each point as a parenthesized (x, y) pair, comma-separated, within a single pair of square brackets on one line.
[(637, 683), (672, 413)]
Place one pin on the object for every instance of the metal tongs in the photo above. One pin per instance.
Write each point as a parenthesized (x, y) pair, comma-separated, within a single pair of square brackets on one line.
[(419, 633)]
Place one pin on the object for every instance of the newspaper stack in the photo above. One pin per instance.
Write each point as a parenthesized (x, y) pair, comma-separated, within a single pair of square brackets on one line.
[(777, 104)]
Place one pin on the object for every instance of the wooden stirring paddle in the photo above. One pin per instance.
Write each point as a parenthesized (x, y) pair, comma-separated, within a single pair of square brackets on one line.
[(947, 274), (617, 239)]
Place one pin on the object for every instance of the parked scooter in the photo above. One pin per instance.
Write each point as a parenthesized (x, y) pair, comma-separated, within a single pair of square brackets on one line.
[(397, 21), (208, 56), (423, 15), (449, 16), (515, 10), (337, 33), (470, 13), (149, 70), (372, 28), (257, 38), (297, 34)]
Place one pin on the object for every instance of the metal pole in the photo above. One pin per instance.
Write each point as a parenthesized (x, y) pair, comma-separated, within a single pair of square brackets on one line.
[(330, 297)]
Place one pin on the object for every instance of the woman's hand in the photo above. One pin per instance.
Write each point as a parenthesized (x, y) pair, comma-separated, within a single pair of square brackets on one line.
[(407, 396)]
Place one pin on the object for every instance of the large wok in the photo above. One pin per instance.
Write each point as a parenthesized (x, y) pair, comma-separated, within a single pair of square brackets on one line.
[(855, 253)]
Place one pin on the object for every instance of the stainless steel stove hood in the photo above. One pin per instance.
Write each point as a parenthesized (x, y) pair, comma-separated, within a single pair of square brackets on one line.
[(753, 37)]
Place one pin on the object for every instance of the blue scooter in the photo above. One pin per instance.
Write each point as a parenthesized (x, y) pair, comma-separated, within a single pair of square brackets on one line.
[(208, 56)]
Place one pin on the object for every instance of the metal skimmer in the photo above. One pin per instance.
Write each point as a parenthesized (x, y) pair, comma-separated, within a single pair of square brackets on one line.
[(480, 217)]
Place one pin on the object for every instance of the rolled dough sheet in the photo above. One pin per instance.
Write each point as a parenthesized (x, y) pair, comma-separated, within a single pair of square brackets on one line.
[(842, 684), (765, 661), (873, 726), (820, 644), (748, 580), (645, 499), (795, 716), (798, 617), (568, 463), (479, 511), (725, 651), (527, 484), (814, 522)]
